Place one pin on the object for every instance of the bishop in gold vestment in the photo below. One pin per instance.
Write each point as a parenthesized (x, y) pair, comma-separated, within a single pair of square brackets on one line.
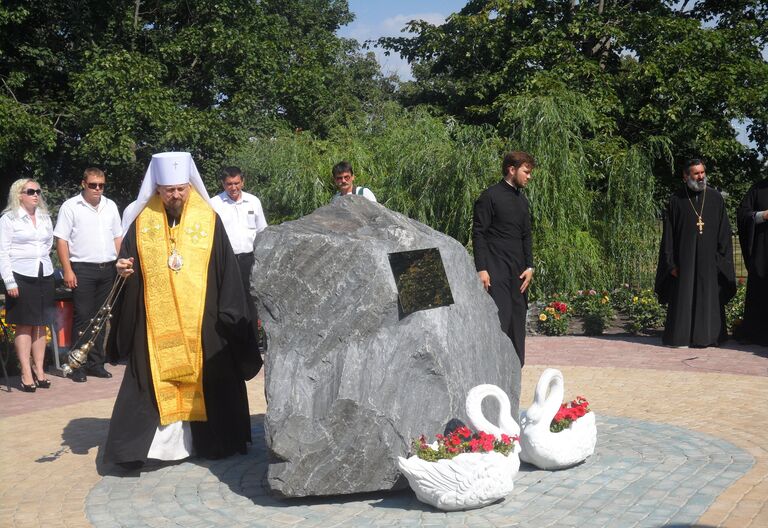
[(183, 323)]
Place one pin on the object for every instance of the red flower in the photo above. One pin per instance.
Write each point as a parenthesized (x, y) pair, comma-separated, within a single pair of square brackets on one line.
[(463, 432)]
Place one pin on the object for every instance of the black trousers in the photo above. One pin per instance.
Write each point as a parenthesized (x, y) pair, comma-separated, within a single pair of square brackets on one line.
[(513, 308), (94, 281), (245, 262)]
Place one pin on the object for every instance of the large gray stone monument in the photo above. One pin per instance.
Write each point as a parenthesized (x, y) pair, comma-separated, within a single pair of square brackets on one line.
[(354, 369)]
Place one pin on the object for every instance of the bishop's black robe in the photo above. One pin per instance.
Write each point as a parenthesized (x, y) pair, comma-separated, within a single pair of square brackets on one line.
[(501, 236), (230, 356), (696, 298), (754, 248)]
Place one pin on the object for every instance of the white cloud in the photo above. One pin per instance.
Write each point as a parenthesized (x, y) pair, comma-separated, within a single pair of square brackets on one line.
[(393, 25), (389, 27)]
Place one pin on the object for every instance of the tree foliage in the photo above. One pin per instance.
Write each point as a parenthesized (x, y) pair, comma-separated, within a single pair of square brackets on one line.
[(109, 82), (681, 71), (432, 168)]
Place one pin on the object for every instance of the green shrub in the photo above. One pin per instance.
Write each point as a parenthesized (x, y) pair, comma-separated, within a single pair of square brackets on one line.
[(595, 309), (643, 312), (554, 318), (734, 310)]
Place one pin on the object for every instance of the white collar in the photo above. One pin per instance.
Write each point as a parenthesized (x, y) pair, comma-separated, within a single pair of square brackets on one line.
[(226, 197), (22, 213), (85, 202)]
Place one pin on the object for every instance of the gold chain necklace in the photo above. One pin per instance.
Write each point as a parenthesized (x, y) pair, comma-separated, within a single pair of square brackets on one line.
[(700, 223), (175, 261)]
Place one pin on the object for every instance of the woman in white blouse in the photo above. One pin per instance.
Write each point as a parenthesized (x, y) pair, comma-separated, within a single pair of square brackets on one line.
[(26, 238)]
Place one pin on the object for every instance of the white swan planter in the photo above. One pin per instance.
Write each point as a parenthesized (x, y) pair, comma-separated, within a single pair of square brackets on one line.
[(469, 480), (548, 450)]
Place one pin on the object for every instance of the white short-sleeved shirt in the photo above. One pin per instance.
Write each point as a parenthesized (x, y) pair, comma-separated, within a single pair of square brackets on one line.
[(241, 219), (24, 246), (90, 231), (365, 192)]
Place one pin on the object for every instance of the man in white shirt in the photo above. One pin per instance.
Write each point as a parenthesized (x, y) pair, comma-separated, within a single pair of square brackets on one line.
[(89, 233), (243, 218), (344, 179)]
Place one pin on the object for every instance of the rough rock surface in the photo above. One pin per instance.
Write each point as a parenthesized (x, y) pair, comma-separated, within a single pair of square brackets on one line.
[(348, 382)]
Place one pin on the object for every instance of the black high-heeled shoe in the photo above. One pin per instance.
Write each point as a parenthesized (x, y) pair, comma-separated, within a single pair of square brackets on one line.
[(41, 383), (27, 388)]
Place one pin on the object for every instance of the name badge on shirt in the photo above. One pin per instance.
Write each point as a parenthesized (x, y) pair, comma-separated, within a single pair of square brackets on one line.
[(251, 220)]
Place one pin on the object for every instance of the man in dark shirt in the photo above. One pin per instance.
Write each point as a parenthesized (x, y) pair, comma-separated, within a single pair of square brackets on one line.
[(695, 276), (753, 234), (501, 235)]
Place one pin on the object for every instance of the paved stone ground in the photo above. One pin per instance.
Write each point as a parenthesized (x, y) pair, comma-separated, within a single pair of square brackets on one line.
[(642, 474), (685, 428)]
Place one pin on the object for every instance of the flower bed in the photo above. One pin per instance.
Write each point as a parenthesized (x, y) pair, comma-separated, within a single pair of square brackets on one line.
[(624, 310), (462, 440)]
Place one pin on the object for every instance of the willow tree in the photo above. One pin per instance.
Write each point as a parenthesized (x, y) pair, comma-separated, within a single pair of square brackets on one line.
[(591, 197), (682, 71), (430, 168), (567, 249)]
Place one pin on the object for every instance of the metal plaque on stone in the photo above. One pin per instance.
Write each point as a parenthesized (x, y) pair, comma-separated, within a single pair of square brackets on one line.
[(420, 279)]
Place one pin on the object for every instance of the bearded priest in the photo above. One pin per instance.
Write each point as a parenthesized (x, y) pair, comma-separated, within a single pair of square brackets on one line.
[(183, 323), (695, 275)]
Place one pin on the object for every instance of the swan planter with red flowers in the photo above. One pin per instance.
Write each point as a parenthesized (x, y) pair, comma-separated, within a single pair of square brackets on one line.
[(465, 470), (556, 435)]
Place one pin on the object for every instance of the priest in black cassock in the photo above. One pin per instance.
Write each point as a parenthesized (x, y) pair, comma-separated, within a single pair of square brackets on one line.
[(752, 218), (501, 236), (695, 276), (183, 323)]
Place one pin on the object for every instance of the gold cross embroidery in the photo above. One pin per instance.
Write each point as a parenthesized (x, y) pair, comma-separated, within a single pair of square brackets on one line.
[(154, 228), (196, 232)]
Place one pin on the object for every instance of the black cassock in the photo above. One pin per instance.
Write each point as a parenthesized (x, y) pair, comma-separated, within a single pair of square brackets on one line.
[(230, 358), (706, 281), (501, 236), (754, 248)]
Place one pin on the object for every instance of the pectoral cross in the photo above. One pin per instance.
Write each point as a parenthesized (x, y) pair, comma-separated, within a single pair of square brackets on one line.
[(700, 225), (175, 165)]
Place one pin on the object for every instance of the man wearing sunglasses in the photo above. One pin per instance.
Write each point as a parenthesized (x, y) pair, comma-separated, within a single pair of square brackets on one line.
[(89, 233)]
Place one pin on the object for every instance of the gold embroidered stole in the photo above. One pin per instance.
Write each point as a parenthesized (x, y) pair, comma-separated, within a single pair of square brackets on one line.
[(175, 302)]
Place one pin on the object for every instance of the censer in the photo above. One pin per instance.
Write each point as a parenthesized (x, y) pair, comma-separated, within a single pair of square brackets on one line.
[(79, 353)]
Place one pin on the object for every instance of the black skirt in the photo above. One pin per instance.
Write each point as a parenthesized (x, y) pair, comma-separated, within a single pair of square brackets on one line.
[(34, 305)]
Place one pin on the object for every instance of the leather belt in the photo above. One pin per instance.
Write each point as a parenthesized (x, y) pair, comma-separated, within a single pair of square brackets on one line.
[(100, 265)]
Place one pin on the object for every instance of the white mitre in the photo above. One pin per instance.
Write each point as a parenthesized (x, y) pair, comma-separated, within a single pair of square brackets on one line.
[(166, 168)]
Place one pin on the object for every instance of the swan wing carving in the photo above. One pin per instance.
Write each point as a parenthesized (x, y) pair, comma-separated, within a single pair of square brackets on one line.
[(540, 446), (470, 480), (474, 409)]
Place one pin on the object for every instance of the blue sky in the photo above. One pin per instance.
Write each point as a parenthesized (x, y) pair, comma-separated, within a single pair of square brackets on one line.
[(384, 18)]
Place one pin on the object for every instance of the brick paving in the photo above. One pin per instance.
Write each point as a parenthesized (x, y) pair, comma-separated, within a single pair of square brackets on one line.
[(642, 474), (647, 399)]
